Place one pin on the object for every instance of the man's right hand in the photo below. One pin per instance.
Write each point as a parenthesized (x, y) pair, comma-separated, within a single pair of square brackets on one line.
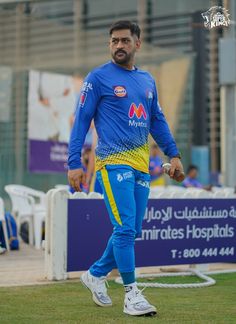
[(76, 178)]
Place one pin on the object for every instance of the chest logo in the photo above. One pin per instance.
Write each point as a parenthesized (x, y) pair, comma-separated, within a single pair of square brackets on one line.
[(120, 91), (137, 111)]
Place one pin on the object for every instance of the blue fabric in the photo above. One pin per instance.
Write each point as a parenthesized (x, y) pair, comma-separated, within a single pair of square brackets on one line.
[(11, 231), (190, 182), (97, 186), (155, 164), (124, 106), (128, 277), (2, 238), (130, 189)]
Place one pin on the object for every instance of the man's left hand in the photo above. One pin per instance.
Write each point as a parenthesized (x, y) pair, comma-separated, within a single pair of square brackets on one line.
[(176, 170)]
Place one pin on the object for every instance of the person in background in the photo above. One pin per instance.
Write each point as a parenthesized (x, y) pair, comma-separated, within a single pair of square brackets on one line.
[(155, 168), (96, 187), (86, 156), (88, 151), (191, 178)]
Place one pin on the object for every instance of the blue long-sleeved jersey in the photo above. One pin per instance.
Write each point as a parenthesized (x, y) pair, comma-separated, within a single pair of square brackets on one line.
[(125, 108)]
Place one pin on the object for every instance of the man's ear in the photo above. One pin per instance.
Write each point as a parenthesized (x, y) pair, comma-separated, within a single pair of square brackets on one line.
[(138, 44)]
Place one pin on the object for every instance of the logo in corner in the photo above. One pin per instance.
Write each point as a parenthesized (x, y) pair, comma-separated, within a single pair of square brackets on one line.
[(120, 91), (138, 111), (215, 17)]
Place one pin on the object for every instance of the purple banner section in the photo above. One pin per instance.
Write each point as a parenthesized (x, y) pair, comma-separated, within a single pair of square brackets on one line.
[(175, 231), (47, 156)]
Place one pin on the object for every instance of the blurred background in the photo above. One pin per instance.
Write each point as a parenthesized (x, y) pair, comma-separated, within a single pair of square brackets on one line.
[(194, 67)]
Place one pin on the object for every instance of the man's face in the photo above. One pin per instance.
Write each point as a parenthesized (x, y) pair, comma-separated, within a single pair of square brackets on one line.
[(123, 46), (154, 151), (193, 174)]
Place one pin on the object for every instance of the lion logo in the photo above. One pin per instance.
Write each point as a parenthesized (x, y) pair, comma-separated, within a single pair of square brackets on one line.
[(216, 17)]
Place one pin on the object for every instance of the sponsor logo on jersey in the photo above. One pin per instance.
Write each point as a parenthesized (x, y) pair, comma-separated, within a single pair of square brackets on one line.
[(126, 175), (120, 91), (134, 123), (145, 184), (86, 87), (137, 111), (149, 94), (82, 98), (119, 177)]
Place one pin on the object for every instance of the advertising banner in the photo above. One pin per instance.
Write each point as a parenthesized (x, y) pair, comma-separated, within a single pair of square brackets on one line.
[(51, 105), (176, 231)]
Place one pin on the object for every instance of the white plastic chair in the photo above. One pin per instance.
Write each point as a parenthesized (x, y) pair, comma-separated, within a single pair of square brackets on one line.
[(224, 192), (176, 194), (156, 191), (94, 195), (229, 192), (219, 194), (201, 193), (21, 209), (3, 221), (152, 194), (230, 195), (173, 191), (62, 186), (81, 195), (189, 193), (163, 194), (215, 188), (39, 196), (26, 208), (157, 188), (175, 188)]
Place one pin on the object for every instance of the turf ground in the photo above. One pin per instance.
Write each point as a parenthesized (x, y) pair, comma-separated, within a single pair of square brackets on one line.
[(70, 302)]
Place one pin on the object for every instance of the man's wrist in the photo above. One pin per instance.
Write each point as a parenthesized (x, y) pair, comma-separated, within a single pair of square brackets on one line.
[(75, 167), (177, 156)]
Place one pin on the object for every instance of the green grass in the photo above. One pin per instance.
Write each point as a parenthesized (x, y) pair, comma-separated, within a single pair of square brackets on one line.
[(172, 280), (69, 302)]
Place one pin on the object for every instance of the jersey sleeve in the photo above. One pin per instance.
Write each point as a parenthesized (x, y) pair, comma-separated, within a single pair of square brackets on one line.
[(85, 111), (159, 129)]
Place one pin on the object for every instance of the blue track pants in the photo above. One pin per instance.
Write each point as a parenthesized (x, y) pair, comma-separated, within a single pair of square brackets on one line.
[(126, 194)]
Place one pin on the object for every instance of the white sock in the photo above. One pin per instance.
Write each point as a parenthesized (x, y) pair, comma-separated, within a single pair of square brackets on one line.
[(130, 287)]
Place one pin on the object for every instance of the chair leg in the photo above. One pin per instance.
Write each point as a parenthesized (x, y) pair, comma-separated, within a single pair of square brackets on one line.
[(31, 232), (4, 227), (18, 223), (38, 223)]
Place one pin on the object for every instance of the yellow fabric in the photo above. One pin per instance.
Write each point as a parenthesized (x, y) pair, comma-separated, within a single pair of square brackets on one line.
[(137, 159), (158, 182), (110, 196)]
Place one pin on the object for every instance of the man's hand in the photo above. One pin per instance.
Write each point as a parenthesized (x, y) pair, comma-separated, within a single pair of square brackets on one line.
[(176, 170), (76, 178)]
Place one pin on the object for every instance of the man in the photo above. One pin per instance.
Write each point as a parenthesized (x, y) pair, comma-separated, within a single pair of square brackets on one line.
[(155, 167), (123, 102), (191, 178)]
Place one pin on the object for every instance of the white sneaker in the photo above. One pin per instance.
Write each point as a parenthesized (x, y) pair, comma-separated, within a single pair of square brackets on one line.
[(2, 250), (97, 286), (136, 304)]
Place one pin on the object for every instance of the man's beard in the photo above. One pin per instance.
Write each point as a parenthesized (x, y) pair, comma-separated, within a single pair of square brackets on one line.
[(122, 60)]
